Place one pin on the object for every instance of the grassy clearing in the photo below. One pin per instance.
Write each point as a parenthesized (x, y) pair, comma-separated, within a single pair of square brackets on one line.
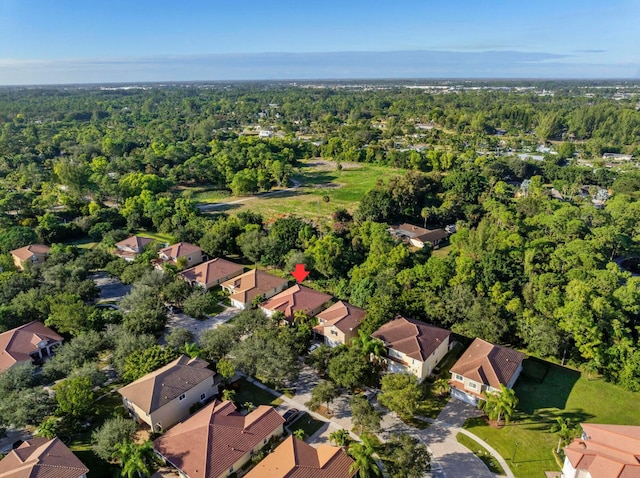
[(481, 452), (442, 252), (247, 392), (547, 391), (307, 423), (157, 236), (344, 189)]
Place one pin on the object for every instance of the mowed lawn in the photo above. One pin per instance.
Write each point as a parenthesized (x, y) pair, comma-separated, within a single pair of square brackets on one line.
[(547, 391), (343, 189)]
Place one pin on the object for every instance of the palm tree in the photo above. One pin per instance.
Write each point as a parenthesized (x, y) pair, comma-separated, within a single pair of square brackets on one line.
[(441, 386), (564, 431), (299, 434), (135, 458), (500, 404), (339, 437), (363, 457), (228, 394), (370, 347)]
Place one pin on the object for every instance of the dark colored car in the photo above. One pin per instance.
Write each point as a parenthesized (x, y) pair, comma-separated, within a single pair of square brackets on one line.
[(290, 414)]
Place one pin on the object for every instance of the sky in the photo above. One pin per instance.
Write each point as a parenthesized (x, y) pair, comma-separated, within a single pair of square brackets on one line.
[(99, 41)]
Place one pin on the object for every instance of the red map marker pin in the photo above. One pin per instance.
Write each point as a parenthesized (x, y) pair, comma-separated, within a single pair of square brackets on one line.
[(300, 274)]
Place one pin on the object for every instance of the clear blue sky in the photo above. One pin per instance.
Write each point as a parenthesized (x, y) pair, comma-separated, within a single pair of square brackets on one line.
[(45, 41)]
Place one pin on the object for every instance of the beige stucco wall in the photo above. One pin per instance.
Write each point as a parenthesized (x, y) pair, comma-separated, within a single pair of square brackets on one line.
[(176, 410), (415, 367)]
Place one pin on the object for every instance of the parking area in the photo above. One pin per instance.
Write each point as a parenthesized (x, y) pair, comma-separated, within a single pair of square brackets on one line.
[(111, 289)]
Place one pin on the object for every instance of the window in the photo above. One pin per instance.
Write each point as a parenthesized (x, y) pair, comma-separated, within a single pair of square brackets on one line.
[(203, 396), (182, 397), (457, 377), (333, 332), (473, 385), (264, 442)]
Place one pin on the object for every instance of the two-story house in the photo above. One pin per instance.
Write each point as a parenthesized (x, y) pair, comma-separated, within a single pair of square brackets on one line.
[(42, 457), (244, 288), (171, 255), (603, 451), (162, 398), (413, 346), (482, 368), (29, 342), (217, 440), (33, 254), (294, 299), (296, 459), (339, 323), (129, 248), (211, 273)]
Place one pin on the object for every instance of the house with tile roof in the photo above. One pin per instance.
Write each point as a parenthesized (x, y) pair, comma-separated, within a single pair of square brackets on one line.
[(296, 459), (211, 273), (603, 451), (418, 236), (31, 254), (339, 323), (482, 368), (191, 253), (162, 398), (244, 288), (412, 346), (42, 458), (295, 298), (29, 342), (217, 440), (129, 248)]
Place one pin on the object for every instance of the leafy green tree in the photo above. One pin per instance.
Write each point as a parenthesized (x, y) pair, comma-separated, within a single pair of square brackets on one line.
[(349, 369), (199, 303), (405, 457), (325, 392), (441, 387), (142, 362), (251, 243), (500, 404), (217, 343), (178, 337), (226, 369), (191, 349), (75, 396), (565, 432), (401, 393), (68, 314), (365, 418), (49, 428), (112, 432)]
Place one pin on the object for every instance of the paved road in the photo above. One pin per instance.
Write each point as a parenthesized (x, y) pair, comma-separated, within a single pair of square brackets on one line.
[(450, 458), (196, 327), (111, 289), (210, 207)]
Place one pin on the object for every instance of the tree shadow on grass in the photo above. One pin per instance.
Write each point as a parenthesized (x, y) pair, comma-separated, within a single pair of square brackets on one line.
[(544, 385)]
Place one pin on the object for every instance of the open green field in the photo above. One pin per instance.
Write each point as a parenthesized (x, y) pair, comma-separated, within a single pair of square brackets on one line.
[(319, 180), (547, 391)]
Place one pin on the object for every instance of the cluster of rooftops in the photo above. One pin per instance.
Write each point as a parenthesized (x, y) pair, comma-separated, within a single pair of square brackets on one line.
[(217, 439)]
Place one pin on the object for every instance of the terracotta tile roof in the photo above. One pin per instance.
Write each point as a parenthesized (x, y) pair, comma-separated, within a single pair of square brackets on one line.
[(412, 337), (179, 250), (297, 297), (212, 271), (41, 458), (489, 364), (25, 253), (135, 242), (208, 443), (606, 451), (160, 387), (251, 284), (296, 459), (344, 316), (17, 344)]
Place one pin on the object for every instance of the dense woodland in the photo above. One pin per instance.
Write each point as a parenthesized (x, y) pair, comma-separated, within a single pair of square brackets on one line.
[(524, 269)]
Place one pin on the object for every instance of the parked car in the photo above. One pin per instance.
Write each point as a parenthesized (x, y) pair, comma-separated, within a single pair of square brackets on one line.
[(370, 394), (290, 414), (313, 347)]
